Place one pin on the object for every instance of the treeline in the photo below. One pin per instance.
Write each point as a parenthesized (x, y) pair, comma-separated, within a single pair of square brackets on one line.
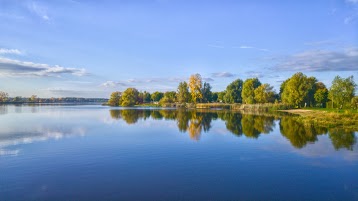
[(298, 91), (4, 98)]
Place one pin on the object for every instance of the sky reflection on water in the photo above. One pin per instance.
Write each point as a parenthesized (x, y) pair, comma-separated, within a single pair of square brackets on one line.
[(173, 154)]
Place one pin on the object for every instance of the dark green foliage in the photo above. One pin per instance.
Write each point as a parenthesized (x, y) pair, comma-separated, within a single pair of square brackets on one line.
[(233, 92), (206, 93), (156, 96)]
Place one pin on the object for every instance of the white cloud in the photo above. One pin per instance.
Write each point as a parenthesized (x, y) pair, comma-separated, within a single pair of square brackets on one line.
[(251, 47), (350, 19), (112, 84), (222, 74), (321, 60), (254, 74), (16, 68), (39, 10), (10, 51)]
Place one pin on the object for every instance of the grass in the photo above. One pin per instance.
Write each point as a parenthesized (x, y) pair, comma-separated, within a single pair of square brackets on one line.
[(334, 110), (328, 117)]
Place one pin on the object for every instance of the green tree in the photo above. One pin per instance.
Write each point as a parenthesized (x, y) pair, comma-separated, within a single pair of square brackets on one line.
[(215, 96), (264, 94), (115, 98), (282, 87), (342, 91), (233, 92), (354, 102), (195, 84), (296, 89), (312, 87), (321, 97), (146, 97), (183, 94), (248, 90), (3, 96), (169, 97), (156, 96), (206, 93), (221, 96), (129, 97)]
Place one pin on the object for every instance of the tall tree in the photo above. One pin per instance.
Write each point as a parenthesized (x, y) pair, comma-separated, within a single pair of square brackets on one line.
[(183, 94), (115, 98), (342, 90), (233, 92), (264, 94), (206, 93), (248, 90), (129, 97), (195, 84)]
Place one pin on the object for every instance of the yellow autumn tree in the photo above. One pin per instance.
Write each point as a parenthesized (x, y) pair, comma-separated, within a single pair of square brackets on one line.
[(195, 84)]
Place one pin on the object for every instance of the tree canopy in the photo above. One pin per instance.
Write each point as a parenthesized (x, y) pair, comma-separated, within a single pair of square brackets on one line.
[(195, 84), (296, 89), (129, 97), (248, 90), (233, 92), (183, 94), (342, 91)]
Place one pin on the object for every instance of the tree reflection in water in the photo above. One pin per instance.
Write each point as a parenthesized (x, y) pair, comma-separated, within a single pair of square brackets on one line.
[(251, 125)]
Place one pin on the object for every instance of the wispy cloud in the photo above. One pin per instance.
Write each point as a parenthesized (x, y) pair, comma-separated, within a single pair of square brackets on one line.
[(39, 10), (10, 51), (320, 43), (321, 60), (352, 1), (112, 84), (222, 74), (65, 92), (155, 80), (16, 68), (251, 47), (352, 18), (208, 79), (254, 74)]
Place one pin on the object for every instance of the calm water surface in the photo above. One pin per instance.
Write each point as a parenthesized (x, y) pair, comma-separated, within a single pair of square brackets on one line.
[(101, 153)]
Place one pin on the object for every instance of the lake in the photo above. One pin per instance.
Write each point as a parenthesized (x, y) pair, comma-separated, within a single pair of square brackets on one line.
[(92, 152)]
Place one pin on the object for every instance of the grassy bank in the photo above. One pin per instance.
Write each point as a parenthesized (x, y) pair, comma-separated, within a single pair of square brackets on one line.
[(327, 117)]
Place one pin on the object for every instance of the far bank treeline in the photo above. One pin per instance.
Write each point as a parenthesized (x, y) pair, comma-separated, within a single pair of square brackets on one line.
[(297, 91)]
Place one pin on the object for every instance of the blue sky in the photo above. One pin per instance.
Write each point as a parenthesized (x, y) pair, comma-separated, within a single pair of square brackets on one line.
[(91, 48)]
